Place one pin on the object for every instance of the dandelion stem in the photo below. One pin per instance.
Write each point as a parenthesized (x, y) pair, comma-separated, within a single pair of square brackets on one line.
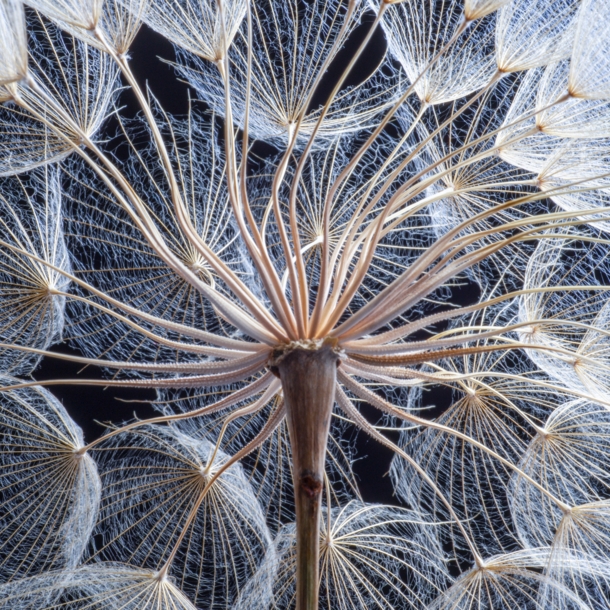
[(308, 373)]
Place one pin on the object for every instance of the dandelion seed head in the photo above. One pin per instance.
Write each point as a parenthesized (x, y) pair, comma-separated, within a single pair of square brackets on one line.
[(410, 251)]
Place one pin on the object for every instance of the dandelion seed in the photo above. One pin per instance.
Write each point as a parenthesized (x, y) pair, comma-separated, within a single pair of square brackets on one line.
[(64, 101), (200, 26), (13, 45), (30, 294), (74, 12), (93, 588), (49, 494), (151, 480), (363, 547)]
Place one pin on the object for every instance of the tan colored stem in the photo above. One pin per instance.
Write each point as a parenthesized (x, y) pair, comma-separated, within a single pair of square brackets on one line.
[(308, 374)]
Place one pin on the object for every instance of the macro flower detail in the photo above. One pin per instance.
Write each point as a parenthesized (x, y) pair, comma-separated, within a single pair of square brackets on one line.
[(353, 227)]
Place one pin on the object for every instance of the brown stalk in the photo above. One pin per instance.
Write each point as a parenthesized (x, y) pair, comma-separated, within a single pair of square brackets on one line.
[(308, 372)]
